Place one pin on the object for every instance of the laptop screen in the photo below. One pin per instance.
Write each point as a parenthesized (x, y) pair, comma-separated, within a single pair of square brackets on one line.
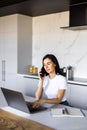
[(15, 99)]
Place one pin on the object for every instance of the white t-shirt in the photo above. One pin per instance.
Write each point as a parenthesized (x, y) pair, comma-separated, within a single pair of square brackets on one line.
[(52, 86)]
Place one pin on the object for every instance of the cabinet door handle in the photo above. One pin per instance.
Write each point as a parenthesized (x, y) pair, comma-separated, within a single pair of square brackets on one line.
[(3, 70)]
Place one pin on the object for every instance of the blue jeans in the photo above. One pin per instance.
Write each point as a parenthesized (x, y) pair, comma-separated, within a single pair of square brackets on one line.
[(65, 103)]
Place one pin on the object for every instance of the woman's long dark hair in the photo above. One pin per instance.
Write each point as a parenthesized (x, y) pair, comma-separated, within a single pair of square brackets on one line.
[(55, 61)]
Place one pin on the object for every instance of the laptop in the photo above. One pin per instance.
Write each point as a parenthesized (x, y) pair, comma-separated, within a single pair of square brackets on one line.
[(16, 100)]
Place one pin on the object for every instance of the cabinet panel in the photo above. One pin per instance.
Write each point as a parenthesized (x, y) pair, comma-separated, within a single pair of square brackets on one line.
[(78, 15), (2, 56), (10, 49), (31, 86), (10, 81), (27, 86), (24, 43), (0, 59), (15, 48), (78, 96), (68, 91)]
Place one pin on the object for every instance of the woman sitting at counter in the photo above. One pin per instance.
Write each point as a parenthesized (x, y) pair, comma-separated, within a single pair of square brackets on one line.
[(51, 82)]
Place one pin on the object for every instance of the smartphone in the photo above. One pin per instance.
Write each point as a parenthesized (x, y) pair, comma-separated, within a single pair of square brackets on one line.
[(43, 72)]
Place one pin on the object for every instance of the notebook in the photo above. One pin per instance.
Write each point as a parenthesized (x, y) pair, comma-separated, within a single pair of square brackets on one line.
[(69, 112), (16, 100)]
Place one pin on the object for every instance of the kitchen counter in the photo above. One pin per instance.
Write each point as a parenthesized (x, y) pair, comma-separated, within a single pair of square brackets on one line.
[(78, 81), (42, 120), (33, 76)]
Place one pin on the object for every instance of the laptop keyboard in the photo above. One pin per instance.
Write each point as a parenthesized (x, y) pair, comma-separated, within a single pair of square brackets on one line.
[(33, 110)]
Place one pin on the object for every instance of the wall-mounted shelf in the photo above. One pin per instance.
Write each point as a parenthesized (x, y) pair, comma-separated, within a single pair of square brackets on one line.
[(78, 81), (74, 28), (77, 17), (79, 3), (33, 76)]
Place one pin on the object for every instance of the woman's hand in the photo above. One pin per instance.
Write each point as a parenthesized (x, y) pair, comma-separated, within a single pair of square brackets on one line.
[(38, 103), (41, 76)]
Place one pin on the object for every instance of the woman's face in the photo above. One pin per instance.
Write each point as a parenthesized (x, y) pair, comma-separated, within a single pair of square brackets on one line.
[(49, 65)]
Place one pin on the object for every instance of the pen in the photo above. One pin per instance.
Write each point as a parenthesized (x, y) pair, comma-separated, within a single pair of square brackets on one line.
[(63, 111)]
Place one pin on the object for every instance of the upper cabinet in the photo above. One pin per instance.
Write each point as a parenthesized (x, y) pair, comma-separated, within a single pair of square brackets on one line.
[(77, 15), (24, 43), (15, 44), (15, 48)]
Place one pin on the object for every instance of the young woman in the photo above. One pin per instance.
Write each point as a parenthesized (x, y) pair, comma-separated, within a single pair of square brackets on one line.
[(51, 82)]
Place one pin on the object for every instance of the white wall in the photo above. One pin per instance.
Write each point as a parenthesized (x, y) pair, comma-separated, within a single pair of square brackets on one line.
[(70, 47)]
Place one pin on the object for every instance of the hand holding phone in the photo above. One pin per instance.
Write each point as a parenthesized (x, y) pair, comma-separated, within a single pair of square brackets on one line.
[(42, 72)]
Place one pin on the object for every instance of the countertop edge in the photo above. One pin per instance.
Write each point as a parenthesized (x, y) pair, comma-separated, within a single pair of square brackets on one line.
[(78, 81)]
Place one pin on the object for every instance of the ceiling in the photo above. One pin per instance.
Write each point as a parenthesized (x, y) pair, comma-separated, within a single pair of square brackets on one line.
[(35, 7)]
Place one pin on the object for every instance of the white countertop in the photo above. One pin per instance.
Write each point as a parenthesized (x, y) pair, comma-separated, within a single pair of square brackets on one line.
[(78, 81), (31, 76), (57, 123)]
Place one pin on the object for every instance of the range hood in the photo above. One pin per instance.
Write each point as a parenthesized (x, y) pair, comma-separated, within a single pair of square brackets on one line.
[(77, 17)]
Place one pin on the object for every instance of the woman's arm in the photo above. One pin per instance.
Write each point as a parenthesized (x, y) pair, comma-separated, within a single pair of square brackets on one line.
[(50, 101), (39, 90), (55, 100)]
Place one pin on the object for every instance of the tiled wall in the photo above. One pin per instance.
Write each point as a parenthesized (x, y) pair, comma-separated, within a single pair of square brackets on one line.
[(70, 47)]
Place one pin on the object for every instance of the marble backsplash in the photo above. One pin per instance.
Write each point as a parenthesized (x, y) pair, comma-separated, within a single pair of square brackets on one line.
[(70, 47)]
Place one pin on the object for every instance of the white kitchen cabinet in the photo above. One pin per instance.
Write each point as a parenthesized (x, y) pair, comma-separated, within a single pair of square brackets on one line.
[(0, 63), (68, 93), (15, 48), (2, 53), (28, 85), (78, 94), (24, 46)]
